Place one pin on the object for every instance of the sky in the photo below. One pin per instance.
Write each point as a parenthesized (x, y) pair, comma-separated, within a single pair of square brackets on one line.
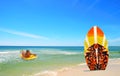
[(57, 22)]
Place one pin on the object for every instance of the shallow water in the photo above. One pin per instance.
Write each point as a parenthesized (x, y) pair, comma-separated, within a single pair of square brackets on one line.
[(49, 58)]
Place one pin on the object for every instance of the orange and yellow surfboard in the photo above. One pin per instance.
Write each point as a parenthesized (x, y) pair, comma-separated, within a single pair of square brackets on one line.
[(96, 49)]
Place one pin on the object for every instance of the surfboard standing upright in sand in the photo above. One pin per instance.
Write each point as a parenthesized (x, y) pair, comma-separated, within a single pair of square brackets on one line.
[(96, 49)]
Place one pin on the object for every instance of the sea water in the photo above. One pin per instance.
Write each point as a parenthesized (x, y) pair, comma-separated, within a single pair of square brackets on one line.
[(48, 58)]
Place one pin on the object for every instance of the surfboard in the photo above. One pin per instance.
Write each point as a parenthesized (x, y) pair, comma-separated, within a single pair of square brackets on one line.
[(96, 49), (29, 58)]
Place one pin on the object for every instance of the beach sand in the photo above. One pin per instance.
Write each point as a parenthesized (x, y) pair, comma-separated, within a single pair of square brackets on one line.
[(113, 69)]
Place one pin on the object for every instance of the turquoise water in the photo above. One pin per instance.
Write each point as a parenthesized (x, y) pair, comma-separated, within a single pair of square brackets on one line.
[(48, 58)]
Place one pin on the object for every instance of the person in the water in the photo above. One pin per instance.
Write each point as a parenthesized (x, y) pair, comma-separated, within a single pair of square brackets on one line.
[(27, 54)]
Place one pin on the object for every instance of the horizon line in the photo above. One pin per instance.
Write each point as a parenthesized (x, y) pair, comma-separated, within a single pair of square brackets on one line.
[(51, 45)]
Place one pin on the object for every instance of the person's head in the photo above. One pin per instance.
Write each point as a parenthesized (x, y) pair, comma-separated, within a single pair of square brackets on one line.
[(27, 51)]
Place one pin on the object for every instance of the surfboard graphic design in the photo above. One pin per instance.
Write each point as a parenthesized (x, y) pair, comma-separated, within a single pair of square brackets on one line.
[(96, 49)]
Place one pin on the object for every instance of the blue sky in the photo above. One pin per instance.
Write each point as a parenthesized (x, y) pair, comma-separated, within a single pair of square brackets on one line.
[(57, 22)]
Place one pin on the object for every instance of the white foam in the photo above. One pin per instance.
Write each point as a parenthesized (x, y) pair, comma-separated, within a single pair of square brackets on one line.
[(55, 73), (114, 61), (46, 73), (81, 64), (6, 56), (8, 52), (2, 60), (64, 69)]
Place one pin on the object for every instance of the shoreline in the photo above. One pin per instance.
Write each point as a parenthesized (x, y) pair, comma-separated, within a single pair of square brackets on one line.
[(82, 69)]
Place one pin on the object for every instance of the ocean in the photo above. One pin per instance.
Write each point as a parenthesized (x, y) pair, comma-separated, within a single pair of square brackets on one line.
[(49, 58)]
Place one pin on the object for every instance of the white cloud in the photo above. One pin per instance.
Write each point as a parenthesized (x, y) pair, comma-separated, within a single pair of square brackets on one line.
[(93, 4), (22, 34), (114, 40)]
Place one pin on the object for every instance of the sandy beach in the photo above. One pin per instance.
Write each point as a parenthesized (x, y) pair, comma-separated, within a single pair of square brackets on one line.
[(113, 69)]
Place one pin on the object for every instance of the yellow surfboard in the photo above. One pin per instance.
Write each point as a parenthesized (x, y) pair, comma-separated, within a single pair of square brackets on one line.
[(96, 49), (29, 58)]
